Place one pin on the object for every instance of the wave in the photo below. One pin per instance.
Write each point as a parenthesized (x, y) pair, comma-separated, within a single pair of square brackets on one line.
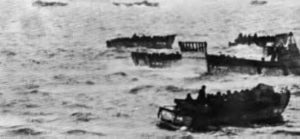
[(123, 74), (228, 133), (294, 109), (121, 57), (285, 132), (31, 106), (138, 89), (31, 86), (175, 89), (83, 117), (37, 113), (33, 92), (119, 114), (119, 77), (89, 82), (171, 88), (65, 79), (37, 121), (8, 53), (25, 131), (78, 106), (297, 93), (168, 88), (114, 53), (83, 132)]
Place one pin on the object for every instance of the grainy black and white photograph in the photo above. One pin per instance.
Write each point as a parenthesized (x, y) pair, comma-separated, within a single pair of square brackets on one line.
[(149, 69)]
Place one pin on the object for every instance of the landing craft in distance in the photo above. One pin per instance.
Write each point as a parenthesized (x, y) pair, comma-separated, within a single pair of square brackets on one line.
[(145, 3), (256, 2), (155, 42), (48, 3)]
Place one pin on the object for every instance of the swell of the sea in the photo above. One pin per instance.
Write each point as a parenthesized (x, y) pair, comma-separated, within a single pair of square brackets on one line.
[(58, 79)]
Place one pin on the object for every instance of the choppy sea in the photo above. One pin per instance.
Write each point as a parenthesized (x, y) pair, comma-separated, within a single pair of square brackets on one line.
[(58, 79)]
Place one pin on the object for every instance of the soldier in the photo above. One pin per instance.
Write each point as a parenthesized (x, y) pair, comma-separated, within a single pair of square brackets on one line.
[(240, 38), (201, 95), (249, 39), (189, 98), (255, 38), (274, 53), (228, 94)]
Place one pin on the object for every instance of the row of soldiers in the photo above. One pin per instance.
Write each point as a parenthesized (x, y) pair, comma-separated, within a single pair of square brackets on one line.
[(248, 39), (245, 99), (135, 37)]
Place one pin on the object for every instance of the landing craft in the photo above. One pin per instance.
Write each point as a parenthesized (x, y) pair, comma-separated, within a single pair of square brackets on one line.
[(256, 2), (47, 4), (285, 56), (260, 41), (155, 42), (261, 104), (145, 3)]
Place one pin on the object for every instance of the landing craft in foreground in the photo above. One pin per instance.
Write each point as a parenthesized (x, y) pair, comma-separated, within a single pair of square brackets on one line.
[(155, 42), (258, 105)]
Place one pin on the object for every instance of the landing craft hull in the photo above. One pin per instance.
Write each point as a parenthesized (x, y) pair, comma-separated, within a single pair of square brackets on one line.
[(295, 67), (215, 61), (204, 122), (156, 42), (252, 66), (288, 64), (154, 60)]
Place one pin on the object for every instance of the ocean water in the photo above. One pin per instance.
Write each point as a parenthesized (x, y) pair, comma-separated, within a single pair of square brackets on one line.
[(58, 79)]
